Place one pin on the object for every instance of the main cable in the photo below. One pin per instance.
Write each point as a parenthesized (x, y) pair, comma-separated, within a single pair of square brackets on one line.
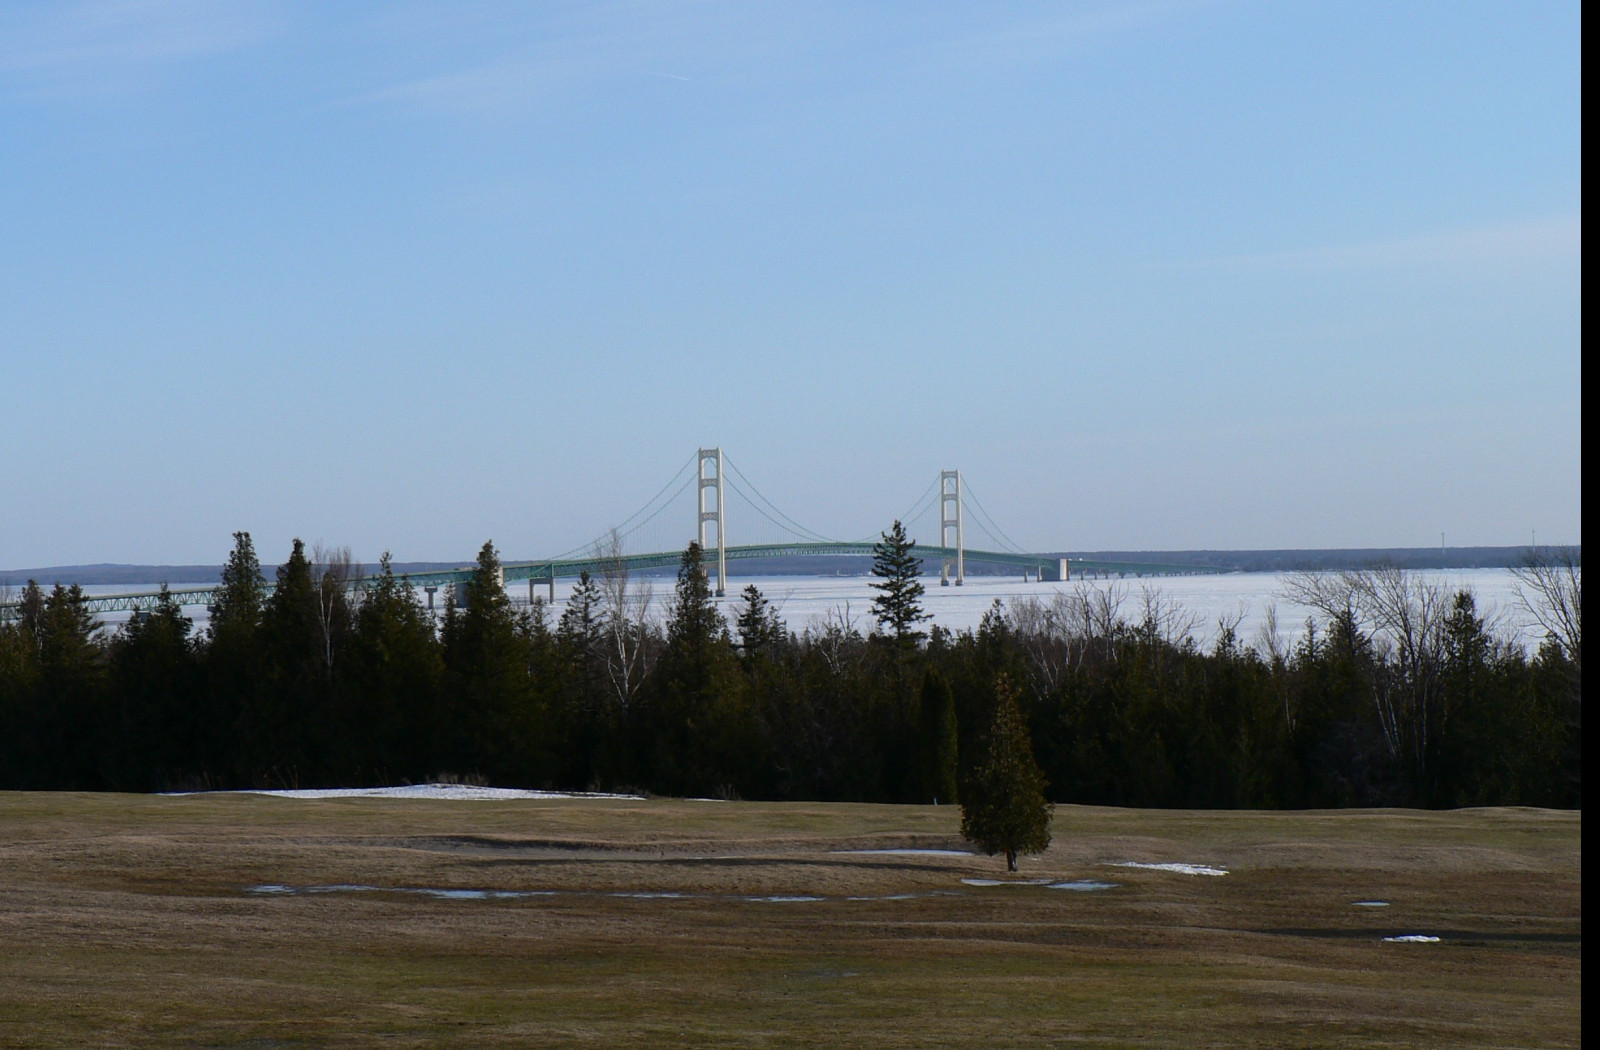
[(794, 526)]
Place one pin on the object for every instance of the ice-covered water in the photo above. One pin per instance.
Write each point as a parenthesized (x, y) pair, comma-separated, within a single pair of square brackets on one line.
[(811, 601)]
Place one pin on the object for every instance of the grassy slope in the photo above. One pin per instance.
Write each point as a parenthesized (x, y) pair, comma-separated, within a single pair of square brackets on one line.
[(123, 921)]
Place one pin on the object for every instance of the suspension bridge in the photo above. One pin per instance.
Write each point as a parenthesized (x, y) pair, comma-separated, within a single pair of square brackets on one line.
[(701, 493)]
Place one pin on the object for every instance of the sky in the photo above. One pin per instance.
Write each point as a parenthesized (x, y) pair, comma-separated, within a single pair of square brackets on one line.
[(1153, 275)]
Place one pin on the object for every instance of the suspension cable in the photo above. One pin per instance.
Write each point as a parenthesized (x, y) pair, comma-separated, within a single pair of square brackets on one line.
[(794, 526), (753, 505), (998, 533), (627, 527)]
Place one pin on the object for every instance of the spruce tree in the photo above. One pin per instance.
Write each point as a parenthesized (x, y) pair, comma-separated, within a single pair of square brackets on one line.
[(939, 740), (1003, 809), (154, 686), (898, 605), (396, 670), (758, 624), (694, 726), (578, 637), (491, 720), (242, 594)]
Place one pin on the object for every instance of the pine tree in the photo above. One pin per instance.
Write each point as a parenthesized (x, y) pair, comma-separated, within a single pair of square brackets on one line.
[(396, 667), (1003, 809), (694, 726), (242, 594), (758, 624), (898, 605), (76, 724), (285, 722), (939, 740), (578, 636), (492, 717), (154, 684), (582, 714)]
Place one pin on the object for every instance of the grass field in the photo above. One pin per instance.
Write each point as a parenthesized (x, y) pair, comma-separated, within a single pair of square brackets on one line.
[(132, 920)]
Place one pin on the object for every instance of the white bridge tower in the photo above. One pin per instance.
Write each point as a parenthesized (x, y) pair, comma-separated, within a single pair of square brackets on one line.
[(950, 518), (713, 456)]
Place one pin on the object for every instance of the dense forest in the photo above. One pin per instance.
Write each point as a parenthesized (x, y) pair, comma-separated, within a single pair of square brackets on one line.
[(1396, 694)]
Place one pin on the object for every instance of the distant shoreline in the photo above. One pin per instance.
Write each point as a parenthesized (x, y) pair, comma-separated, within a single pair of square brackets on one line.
[(1332, 559)]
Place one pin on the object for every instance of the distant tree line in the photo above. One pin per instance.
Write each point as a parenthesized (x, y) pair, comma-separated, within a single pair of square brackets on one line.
[(1397, 693)]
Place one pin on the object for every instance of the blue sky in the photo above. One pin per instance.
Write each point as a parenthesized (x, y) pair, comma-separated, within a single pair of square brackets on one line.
[(1154, 275)]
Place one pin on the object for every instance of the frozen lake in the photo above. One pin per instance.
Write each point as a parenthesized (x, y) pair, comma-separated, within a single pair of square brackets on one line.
[(810, 600)]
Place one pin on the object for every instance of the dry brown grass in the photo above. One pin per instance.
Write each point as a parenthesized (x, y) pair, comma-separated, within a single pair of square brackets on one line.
[(125, 920)]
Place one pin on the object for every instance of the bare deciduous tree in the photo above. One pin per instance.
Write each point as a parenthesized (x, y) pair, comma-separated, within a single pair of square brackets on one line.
[(1550, 590), (336, 574), (1403, 614), (629, 653)]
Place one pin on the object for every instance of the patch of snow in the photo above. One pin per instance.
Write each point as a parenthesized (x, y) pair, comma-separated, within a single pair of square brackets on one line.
[(784, 899), (645, 896), (1369, 904), (1413, 938), (1006, 882), (449, 792), (905, 852), (1083, 885), (1181, 869)]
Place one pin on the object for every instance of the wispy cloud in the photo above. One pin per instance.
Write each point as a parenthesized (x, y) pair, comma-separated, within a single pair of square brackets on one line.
[(1550, 238), (99, 46), (1047, 38)]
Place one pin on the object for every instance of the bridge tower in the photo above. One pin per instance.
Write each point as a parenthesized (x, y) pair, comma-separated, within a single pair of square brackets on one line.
[(713, 456), (950, 518)]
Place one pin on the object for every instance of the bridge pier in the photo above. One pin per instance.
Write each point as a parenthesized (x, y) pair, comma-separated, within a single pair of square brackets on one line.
[(950, 518), (1057, 573), (717, 515)]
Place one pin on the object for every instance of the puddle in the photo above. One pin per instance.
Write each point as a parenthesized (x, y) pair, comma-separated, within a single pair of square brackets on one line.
[(1480, 937), (1369, 904), (1083, 886), (648, 896), (905, 852), (1181, 869), (1006, 882), (456, 792), (785, 899), (274, 889)]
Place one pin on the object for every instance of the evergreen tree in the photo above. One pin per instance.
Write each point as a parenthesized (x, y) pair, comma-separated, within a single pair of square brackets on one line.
[(286, 719), (491, 722), (939, 739), (155, 689), (1003, 809), (396, 667), (241, 596), (579, 635), (696, 732), (233, 663), (898, 605), (72, 719), (758, 624), (583, 714)]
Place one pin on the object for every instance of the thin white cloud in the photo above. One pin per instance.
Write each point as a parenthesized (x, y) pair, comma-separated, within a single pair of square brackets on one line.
[(1550, 238), (1047, 38), (98, 46)]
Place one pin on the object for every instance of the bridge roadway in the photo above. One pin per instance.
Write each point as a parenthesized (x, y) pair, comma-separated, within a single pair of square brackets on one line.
[(1046, 567)]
